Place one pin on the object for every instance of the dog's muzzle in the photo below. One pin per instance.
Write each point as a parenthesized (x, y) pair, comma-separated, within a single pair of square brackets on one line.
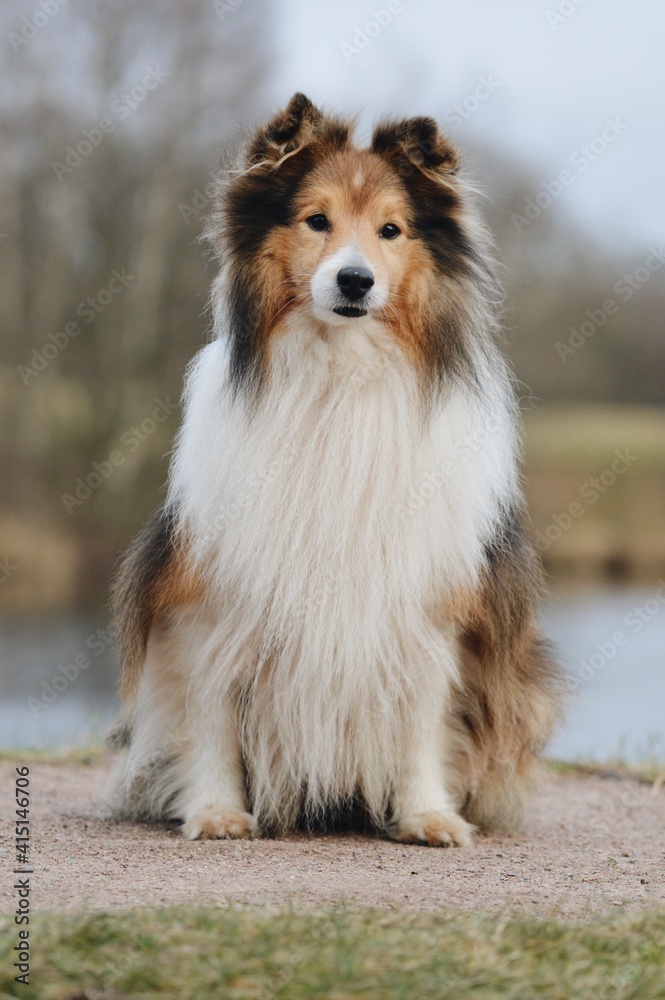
[(354, 283)]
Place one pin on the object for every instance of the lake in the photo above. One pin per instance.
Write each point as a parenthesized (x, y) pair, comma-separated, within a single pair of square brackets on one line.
[(58, 676)]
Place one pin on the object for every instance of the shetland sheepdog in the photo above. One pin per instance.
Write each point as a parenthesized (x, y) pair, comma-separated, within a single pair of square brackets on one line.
[(335, 604)]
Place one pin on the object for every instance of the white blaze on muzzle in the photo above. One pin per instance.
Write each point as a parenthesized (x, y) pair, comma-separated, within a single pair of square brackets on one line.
[(346, 281)]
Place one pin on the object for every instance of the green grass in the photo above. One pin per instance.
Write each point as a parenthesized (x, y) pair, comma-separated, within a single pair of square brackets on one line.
[(92, 754), (645, 773), (601, 517), (568, 436), (240, 953)]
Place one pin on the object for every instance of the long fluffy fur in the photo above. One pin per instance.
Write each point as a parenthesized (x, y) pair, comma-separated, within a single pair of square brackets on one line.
[(340, 563)]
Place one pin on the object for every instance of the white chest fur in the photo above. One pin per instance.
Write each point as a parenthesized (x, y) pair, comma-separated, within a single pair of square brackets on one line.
[(332, 523)]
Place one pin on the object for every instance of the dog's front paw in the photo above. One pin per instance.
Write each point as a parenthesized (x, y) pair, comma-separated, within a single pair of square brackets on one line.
[(216, 823), (438, 829)]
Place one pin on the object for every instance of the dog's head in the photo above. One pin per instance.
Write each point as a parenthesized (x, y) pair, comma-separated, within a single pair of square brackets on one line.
[(347, 235)]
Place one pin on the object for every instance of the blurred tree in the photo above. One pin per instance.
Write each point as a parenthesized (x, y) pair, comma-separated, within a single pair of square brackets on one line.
[(113, 116), (567, 341)]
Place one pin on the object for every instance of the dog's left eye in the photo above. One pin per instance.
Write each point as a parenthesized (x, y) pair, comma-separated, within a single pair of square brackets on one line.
[(318, 223), (390, 231)]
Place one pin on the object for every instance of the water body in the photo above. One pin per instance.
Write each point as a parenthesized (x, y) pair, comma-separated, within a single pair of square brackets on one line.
[(612, 645), (59, 677)]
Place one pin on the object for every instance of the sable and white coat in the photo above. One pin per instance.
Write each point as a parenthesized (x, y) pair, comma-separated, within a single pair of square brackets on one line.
[(335, 604)]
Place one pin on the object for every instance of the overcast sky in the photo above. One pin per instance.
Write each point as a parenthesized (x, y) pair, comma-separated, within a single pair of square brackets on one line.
[(552, 81)]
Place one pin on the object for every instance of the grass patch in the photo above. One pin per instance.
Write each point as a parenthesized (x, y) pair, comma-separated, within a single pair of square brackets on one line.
[(93, 754), (240, 954), (594, 486), (646, 773), (566, 436)]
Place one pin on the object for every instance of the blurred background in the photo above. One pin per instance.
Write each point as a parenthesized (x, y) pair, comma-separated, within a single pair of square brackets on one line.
[(113, 115)]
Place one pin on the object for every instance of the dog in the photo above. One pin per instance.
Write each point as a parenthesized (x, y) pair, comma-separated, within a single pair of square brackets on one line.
[(336, 603)]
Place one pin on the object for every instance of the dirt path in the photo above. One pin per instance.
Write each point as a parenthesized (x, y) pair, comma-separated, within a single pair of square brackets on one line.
[(590, 842)]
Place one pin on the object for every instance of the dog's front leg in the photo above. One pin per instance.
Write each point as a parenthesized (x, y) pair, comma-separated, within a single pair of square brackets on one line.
[(423, 811), (212, 803)]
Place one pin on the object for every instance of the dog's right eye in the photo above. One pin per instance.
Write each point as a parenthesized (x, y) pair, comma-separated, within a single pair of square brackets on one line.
[(318, 223)]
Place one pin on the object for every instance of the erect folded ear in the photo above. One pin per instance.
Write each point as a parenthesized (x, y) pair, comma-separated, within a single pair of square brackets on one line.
[(297, 125), (416, 142)]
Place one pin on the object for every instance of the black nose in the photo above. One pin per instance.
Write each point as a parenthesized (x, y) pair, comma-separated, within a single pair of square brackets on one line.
[(354, 282)]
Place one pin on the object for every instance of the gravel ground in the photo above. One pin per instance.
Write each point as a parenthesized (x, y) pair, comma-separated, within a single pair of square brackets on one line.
[(590, 842)]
